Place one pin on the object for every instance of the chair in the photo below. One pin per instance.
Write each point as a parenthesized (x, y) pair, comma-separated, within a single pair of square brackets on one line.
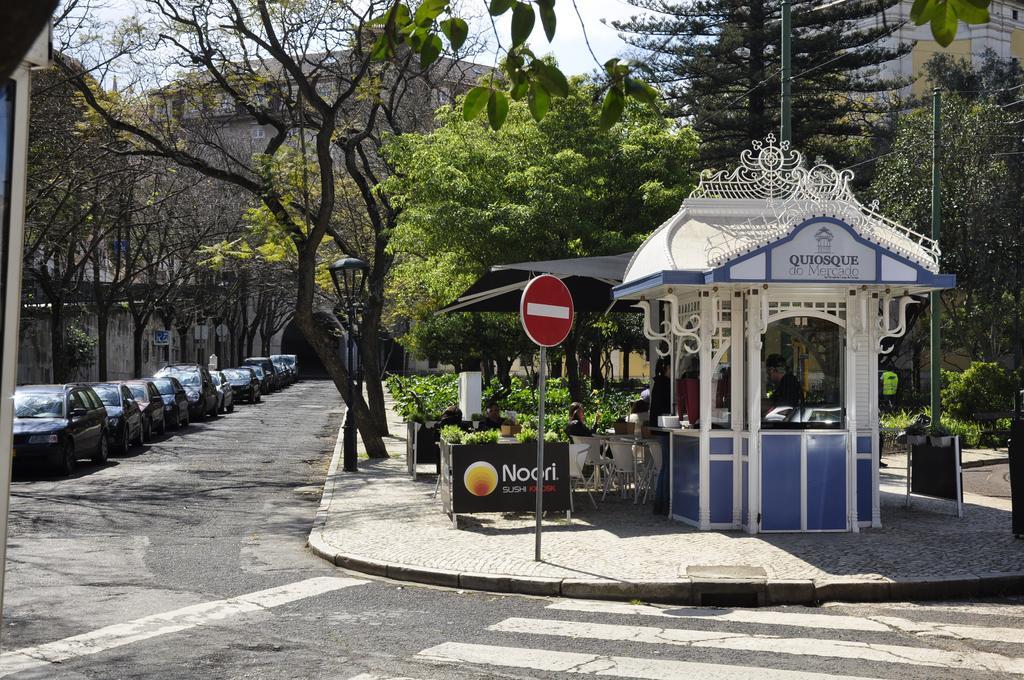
[(577, 459), (595, 445), (622, 468), (652, 465)]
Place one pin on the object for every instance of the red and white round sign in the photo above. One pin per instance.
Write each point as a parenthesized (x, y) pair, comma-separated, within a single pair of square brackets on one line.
[(546, 310)]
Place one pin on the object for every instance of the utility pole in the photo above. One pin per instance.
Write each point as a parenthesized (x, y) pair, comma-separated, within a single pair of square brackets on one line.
[(786, 131), (935, 302)]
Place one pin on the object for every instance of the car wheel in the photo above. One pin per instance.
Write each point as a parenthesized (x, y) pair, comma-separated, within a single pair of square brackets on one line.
[(147, 431), (68, 460), (102, 451), (231, 409), (122, 446), (163, 424), (188, 419)]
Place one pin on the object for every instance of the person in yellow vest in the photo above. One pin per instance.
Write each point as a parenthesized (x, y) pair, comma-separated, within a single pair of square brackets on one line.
[(890, 386)]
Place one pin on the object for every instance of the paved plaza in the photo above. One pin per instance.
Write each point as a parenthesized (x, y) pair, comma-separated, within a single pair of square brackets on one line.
[(383, 522)]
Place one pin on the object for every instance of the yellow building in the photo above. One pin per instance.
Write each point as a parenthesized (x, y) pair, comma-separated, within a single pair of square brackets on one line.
[(1003, 34)]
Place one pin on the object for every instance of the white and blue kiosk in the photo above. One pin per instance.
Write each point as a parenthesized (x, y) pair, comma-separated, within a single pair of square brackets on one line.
[(771, 292)]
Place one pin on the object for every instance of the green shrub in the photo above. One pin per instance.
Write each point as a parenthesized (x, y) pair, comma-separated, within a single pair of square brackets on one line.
[(526, 435), (452, 434), (427, 394), (485, 437), (984, 386), (899, 420)]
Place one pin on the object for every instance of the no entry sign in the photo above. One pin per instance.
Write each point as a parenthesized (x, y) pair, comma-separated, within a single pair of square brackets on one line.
[(546, 310)]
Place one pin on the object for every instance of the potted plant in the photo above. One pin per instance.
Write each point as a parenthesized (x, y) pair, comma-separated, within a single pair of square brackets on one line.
[(917, 433), (526, 435), (476, 418), (510, 428), (622, 427), (939, 435)]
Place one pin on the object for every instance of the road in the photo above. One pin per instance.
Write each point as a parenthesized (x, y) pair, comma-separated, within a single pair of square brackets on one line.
[(188, 560)]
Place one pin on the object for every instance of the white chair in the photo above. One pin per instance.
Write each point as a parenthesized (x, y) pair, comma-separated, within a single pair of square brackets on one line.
[(622, 468), (595, 446), (577, 459), (652, 465)]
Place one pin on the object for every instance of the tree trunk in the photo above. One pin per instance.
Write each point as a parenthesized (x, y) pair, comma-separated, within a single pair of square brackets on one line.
[(138, 332), (58, 358), (504, 371), (572, 367), (596, 372), (102, 324), (325, 343)]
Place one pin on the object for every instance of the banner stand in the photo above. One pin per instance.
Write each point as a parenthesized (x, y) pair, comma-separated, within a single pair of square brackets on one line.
[(936, 472)]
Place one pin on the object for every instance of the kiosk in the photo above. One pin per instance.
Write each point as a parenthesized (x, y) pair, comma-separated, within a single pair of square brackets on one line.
[(771, 290)]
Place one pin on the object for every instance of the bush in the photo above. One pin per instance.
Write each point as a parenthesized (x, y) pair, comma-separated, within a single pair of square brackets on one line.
[(984, 386), (452, 434), (485, 437), (427, 394), (527, 435)]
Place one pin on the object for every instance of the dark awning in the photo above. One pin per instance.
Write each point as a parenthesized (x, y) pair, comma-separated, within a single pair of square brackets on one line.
[(589, 279)]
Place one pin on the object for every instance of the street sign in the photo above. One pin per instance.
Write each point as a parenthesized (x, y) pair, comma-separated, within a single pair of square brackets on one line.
[(161, 337), (546, 310)]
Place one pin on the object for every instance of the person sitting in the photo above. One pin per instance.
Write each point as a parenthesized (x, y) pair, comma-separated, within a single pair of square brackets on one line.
[(577, 422), (492, 419), (451, 416)]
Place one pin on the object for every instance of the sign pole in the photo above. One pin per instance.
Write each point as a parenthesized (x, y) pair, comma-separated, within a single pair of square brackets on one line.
[(935, 301), (542, 379)]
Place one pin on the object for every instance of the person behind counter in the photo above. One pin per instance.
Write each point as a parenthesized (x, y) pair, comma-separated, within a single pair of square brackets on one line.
[(661, 393), (492, 419), (578, 423), (785, 389)]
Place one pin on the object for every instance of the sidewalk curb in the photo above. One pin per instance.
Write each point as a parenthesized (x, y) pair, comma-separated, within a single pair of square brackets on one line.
[(682, 591)]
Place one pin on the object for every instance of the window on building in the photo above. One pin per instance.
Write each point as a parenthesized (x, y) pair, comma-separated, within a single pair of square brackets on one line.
[(802, 363), (258, 132), (1015, 15)]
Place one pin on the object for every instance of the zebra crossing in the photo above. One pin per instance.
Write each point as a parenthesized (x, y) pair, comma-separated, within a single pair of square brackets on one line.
[(850, 642)]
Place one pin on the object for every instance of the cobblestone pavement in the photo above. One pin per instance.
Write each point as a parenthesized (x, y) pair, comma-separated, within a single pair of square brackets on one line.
[(381, 514)]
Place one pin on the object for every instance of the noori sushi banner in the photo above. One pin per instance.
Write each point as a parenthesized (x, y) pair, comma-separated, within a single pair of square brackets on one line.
[(503, 477)]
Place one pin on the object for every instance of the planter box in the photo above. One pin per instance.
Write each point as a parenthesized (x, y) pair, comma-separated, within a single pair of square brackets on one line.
[(916, 439), (511, 430), (941, 442), (623, 428)]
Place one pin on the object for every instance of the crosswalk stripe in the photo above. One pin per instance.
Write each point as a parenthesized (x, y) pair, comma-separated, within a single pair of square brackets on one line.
[(775, 618), (1007, 610), (880, 624), (174, 621), (618, 666), (861, 651), (955, 630)]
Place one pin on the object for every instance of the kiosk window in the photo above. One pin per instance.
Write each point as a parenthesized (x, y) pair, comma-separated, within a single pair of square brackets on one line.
[(802, 363)]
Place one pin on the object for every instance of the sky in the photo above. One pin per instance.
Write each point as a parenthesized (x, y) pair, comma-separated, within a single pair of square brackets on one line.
[(569, 46)]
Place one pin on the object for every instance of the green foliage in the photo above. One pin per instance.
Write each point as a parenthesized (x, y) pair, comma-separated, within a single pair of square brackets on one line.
[(984, 386), (425, 394), (944, 15), (939, 429), (79, 348), (556, 435), (522, 70), (485, 437), (527, 435), (452, 434)]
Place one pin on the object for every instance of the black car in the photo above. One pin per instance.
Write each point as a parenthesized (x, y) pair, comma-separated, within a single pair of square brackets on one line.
[(175, 401), (59, 424), (283, 367), (124, 419), (244, 384), (262, 377), (225, 393), (274, 381), (147, 396), (199, 388)]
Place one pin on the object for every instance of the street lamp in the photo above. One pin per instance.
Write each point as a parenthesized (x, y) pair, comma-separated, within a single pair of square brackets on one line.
[(349, 277)]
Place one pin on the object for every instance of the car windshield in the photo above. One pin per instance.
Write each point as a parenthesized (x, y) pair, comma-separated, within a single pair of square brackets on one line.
[(237, 375), (108, 394), (39, 405), (187, 378), (139, 392), (165, 386), (258, 370), (215, 378)]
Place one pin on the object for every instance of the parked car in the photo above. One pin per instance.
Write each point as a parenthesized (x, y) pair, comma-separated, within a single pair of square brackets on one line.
[(273, 379), (283, 368), (199, 388), (175, 401), (225, 393), (262, 376), (244, 384), (147, 396), (124, 419), (59, 424), (291, 361)]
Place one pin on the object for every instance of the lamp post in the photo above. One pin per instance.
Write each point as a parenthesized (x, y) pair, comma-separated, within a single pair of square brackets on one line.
[(349, 277)]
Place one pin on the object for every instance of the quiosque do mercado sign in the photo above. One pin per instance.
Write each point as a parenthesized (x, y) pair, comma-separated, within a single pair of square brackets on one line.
[(503, 477)]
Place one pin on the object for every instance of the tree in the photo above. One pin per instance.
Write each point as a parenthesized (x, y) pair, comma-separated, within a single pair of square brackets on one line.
[(559, 188), (981, 215), (717, 62), (301, 72)]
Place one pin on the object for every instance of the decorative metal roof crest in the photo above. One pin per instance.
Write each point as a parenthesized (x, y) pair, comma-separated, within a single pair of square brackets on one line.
[(794, 193)]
